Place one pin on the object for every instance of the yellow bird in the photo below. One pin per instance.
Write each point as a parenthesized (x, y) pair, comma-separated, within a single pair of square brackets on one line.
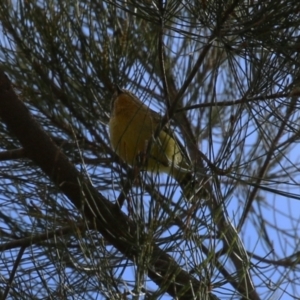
[(132, 127)]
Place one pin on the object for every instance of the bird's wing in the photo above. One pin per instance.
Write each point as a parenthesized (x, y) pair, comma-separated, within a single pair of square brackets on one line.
[(186, 161)]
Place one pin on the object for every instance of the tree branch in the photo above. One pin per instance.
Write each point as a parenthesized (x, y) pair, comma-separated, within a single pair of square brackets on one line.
[(112, 223)]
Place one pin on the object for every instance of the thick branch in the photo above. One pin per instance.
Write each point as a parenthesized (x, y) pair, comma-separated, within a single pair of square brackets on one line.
[(39, 147)]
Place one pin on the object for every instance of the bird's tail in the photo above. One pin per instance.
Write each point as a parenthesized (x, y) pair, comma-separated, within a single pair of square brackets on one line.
[(191, 185)]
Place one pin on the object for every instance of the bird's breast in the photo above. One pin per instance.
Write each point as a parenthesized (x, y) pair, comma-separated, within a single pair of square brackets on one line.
[(130, 131)]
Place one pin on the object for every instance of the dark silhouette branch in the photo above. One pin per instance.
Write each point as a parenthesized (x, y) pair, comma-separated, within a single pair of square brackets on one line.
[(103, 215)]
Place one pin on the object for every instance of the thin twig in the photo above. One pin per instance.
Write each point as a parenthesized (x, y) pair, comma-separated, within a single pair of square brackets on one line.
[(13, 272)]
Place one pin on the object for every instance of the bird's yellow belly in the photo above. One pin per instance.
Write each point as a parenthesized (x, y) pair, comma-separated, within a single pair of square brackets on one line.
[(128, 138), (130, 141)]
